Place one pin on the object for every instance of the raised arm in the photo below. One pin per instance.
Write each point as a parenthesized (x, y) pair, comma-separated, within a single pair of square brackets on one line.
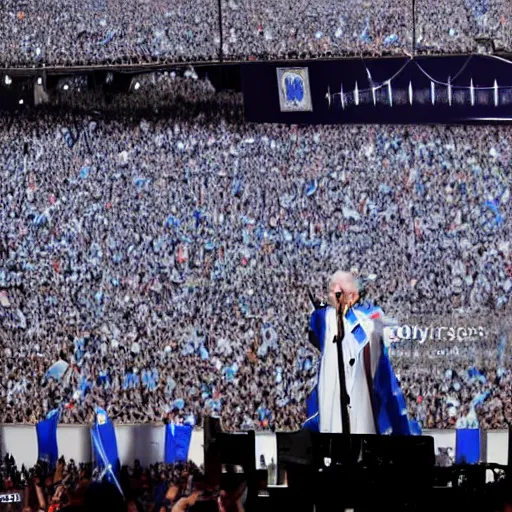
[(316, 329)]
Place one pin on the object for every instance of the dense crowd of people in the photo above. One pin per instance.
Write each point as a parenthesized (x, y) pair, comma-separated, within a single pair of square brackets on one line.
[(61, 33), (304, 29), (160, 265), (463, 26), (71, 487), (58, 33)]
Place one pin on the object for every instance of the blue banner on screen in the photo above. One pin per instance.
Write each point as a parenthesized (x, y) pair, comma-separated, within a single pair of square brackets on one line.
[(177, 443), (104, 443), (467, 446), (47, 438)]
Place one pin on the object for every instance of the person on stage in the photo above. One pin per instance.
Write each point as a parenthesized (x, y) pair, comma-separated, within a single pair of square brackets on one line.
[(369, 399)]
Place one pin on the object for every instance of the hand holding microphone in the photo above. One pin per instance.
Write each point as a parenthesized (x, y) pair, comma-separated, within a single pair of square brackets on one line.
[(346, 300)]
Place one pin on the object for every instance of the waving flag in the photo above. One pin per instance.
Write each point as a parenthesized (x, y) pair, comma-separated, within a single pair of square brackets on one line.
[(172, 222), (467, 445), (108, 38), (57, 370), (502, 345), (68, 137), (177, 443), (311, 188), (40, 220), (179, 403), (480, 399), (104, 445)]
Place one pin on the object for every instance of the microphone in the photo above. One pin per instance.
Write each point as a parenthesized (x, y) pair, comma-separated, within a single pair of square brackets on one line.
[(360, 299), (317, 304)]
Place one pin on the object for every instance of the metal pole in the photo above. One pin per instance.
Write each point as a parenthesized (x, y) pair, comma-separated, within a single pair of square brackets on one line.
[(414, 27), (344, 398)]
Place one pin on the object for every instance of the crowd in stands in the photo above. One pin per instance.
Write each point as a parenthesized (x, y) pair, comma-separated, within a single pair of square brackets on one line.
[(159, 266), (72, 487), (303, 29), (63, 33), (59, 33), (463, 26)]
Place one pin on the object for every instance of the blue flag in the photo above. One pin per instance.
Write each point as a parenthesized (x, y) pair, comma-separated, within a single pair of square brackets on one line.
[(177, 443), (104, 444), (47, 438)]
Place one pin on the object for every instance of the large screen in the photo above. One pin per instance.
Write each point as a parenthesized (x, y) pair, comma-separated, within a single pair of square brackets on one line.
[(157, 266)]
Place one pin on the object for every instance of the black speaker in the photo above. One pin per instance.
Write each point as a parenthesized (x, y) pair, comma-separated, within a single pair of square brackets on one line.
[(212, 462), (295, 465), (212, 427), (227, 450), (230, 448), (293, 448)]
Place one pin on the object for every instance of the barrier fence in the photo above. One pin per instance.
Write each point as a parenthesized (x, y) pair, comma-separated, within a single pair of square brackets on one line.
[(147, 443)]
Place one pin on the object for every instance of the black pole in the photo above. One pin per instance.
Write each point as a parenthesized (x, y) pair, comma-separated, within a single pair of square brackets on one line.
[(414, 27), (344, 398), (221, 34)]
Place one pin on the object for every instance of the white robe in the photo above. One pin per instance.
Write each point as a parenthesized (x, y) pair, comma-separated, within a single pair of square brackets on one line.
[(360, 408)]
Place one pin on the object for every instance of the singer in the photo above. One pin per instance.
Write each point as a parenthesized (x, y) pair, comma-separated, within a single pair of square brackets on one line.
[(357, 391)]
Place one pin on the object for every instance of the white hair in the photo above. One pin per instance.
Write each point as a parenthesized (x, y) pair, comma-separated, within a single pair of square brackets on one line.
[(347, 281)]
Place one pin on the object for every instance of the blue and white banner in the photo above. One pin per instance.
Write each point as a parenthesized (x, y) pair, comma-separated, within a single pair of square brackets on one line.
[(294, 91), (47, 438), (104, 447)]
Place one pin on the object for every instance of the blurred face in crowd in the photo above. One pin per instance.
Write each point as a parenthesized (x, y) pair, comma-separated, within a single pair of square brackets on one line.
[(132, 506), (172, 492)]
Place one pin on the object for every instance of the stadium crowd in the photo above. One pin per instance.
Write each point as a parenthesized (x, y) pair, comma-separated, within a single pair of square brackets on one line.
[(77, 488), (63, 33), (463, 26), (59, 33), (269, 30), (159, 266)]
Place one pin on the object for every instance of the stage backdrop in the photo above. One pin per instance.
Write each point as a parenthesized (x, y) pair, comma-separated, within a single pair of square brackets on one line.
[(184, 283)]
